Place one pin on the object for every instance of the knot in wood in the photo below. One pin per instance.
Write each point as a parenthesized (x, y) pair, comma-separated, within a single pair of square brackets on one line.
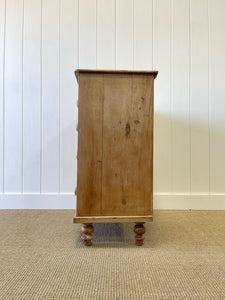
[(127, 130)]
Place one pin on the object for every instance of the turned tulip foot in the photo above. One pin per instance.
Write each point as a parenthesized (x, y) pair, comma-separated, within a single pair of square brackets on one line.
[(139, 229), (87, 236)]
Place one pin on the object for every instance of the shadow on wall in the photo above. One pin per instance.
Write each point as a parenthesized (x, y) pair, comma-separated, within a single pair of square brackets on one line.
[(59, 160), (184, 150), (183, 155)]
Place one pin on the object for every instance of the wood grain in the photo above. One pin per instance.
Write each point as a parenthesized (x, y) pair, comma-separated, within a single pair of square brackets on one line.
[(87, 230), (139, 229), (90, 116), (128, 72), (127, 145), (115, 146), (112, 219)]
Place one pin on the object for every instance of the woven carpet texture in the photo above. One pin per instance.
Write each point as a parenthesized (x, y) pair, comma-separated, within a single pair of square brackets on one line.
[(42, 257)]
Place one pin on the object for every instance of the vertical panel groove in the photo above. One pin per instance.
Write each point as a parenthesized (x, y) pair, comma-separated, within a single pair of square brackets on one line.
[(22, 109), (142, 27), (31, 96), (68, 94), (3, 169), (13, 97), (179, 41), (59, 97), (189, 96), (96, 12), (199, 97), (115, 34), (50, 87), (164, 59), (209, 99), (171, 84), (106, 34), (87, 28), (41, 100), (162, 137), (133, 22), (78, 33), (78, 36), (152, 34), (125, 34)]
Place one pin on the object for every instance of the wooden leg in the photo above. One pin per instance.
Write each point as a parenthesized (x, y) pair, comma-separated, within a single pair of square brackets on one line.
[(87, 236), (139, 229)]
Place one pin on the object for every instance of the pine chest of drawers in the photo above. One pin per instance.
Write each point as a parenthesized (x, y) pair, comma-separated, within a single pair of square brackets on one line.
[(115, 149)]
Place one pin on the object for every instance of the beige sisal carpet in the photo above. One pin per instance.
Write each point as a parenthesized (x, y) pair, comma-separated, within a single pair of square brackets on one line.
[(42, 257)]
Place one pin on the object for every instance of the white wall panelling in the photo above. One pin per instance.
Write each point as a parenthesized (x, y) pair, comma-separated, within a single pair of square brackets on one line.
[(13, 98), (143, 34), (124, 34), (88, 34), (162, 24), (180, 112), (37, 201), (68, 94), (106, 34), (199, 97), (2, 52), (186, 201), (31, 96), (50, 180), (66, 201), (217, 95), (43, 41)]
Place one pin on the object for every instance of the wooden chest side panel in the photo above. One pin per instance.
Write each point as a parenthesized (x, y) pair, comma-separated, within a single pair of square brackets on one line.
[(89, 172), (127, 145)]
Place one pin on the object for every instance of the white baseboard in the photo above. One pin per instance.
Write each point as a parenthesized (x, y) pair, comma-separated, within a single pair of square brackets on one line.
[(37, 201), (186, 201), (68, 201)]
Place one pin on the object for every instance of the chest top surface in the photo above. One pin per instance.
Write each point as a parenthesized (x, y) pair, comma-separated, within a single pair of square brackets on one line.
[(128, 72)]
